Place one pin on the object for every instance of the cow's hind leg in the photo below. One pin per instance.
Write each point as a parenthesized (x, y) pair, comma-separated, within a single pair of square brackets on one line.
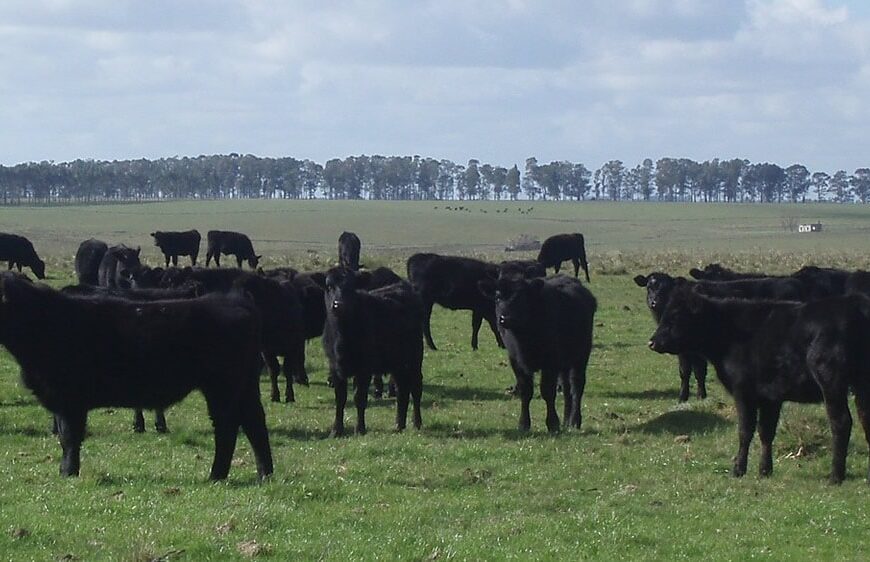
[(274, 369), (837, 406), (417, 396), (71, 430), (225, 421), (548, 393), (254, 425), (402, 398), (862, 404), (340, 390), (747, 418), (523, 388), (476, 321), (768, 418), (685, 374), (576, 263), (361, 401), (699, 365), (287, 369), (160, 421), (138, 421)]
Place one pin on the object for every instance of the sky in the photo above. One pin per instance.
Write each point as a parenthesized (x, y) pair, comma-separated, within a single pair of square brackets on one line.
[(784, 81)]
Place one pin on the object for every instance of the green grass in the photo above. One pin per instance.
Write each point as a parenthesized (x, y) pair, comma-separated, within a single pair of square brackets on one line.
[(467, 486)]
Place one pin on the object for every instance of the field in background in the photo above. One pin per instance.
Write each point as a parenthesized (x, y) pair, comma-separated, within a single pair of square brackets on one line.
[(645, 478)]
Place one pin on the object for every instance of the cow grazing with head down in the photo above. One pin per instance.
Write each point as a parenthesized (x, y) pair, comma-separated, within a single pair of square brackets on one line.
[(174, 244), (452, 282), (818, 282), (546, 325), (769, 352), (564, 247), (230, 243), (117, 265), (19, 252), (371, 333), (214, 343), (348, 250), (658, 291)]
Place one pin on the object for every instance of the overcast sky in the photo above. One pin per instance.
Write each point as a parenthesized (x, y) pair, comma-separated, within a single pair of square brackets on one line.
[(499, 80)]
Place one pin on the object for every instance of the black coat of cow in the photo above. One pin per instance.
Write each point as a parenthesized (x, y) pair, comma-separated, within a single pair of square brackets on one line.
[(818, 282), (230, 243), (19, 252), (452, 282), (564, 247), (371, 333), (87, 261), (658, 291), (767, 352), (174, 244), (188, 291), (213, 342), (117, 266), (522, 268), (348, 250), (546, 325)]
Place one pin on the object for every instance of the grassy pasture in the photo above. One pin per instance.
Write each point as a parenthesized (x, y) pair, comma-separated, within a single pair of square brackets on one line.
[(645, 478)]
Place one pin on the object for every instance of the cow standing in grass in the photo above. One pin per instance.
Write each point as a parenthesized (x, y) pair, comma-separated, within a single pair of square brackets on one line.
[(18, 251), (769, 352), (174, 244), (230, 243), (371, 333), (546, 325), (452, 282), (564, 247), (214, 343)]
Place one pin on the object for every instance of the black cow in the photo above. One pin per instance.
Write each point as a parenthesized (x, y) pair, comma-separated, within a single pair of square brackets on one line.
[(283, 329), (451, 281), (117, 266), (188, 291), (563, 247), (373, 333), (287, 273), (658, 291), (227, 242), (174, 244), (546, 325), (212, 280), (214, 343), (348, 250), (18, 251), (376, 278), (87, 261), (767, 352), (145, 277)]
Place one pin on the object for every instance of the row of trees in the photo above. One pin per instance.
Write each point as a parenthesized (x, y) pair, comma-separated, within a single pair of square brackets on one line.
[(414, 177)]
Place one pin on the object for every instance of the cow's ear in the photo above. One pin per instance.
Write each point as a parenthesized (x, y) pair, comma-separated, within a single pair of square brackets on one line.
[(641, 280), (154, 234), (258, 257), (138, 249), (486, 287), (696, 273)]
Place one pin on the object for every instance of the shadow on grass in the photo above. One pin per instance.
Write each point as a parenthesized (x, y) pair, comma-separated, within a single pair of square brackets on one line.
[(441, 393), (684, 422), (651, 394)]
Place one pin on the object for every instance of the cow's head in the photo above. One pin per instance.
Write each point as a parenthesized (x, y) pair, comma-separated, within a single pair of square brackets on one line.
[(658, 289), (38, 268), (254, 261), (340, 294), (514, 297), (681, 324), (711, 272)]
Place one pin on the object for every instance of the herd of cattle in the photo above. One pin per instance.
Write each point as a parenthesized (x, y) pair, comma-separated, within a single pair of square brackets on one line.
[(130, 335)]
